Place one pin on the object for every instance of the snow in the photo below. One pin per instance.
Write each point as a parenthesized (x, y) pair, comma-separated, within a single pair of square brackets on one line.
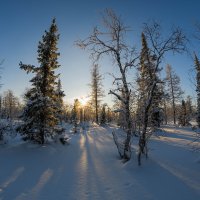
[(90, 168)]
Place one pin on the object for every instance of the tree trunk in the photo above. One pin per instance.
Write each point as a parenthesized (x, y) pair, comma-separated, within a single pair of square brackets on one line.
[(173, 99), (174, 111), (41, 136), (96, 108), (142, 140), (165, 110), (127, 147)]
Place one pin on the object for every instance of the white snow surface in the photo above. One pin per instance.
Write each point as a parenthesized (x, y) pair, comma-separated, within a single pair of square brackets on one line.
[(89, 168)]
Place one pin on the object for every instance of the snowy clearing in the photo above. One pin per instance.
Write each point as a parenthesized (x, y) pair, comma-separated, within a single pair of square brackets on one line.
[(89, 168)]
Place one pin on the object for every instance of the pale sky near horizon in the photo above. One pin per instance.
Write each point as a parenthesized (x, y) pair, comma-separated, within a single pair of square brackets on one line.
[(22, 24)]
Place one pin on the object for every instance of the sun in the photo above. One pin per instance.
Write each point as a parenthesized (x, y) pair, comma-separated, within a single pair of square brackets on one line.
[(83, 100)]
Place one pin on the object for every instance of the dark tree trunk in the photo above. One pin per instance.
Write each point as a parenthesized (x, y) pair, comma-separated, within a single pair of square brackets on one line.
[(127, 146), (165, 111)]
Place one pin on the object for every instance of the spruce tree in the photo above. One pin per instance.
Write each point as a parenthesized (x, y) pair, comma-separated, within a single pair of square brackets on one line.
[(149, 95), (40, 117), (60, 106), (148, 75), (183, 114), (103, 114), (189, 109), (75, 114)]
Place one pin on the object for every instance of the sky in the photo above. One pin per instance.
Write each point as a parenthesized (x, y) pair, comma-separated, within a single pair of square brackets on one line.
[(23, 22)]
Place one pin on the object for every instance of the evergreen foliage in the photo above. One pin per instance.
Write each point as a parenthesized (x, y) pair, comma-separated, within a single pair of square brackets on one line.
[(189, 108), (183, 114), (41, 113), (60, 106), (75, 114), (103, 115), (147, 77)]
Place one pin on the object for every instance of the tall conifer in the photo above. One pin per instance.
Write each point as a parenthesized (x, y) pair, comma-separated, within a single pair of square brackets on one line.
[(41, 112)]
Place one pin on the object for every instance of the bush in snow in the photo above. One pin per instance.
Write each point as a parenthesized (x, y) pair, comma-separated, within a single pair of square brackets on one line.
[(7, 130)]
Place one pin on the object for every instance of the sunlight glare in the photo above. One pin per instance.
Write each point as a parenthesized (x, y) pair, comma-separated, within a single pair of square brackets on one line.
[(83, 100)]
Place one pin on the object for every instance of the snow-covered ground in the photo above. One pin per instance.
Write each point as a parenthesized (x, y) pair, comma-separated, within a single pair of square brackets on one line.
[(89, 168)]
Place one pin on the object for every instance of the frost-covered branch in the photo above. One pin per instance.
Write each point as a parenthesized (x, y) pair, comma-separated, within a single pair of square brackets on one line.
[(118, 96), (28, 68)]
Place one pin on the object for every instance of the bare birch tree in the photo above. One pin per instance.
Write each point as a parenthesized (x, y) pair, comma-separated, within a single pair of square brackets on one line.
[(111, 42)]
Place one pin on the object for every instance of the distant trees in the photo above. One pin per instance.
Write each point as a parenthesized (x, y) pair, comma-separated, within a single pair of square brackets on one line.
[(10, 106), (10, 109), (96, 90), (173, 89), (41, 113), (75, 114)]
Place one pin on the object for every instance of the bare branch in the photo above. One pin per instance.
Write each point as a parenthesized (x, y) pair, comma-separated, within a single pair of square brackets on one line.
[(175, 41)]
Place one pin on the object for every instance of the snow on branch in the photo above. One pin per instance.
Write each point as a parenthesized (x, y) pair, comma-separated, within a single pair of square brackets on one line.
[(118, 96), (27, 68)]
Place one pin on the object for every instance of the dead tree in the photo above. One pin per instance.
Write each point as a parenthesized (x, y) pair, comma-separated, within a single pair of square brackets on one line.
[(111, 43), (158, 45)]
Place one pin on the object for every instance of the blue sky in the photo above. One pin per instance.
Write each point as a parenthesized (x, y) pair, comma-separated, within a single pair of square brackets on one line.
[(22, 24)]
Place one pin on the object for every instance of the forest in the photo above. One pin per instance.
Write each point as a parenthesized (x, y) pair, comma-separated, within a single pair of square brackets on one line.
[(146, 109)]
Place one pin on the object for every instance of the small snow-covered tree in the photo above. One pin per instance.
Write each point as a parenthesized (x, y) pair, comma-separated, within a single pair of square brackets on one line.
[(118, 109), (109, 114), (40, 117), (103, 114), (182, 118), (60, 106), (75, 114), (189, 108), (174, 89)]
